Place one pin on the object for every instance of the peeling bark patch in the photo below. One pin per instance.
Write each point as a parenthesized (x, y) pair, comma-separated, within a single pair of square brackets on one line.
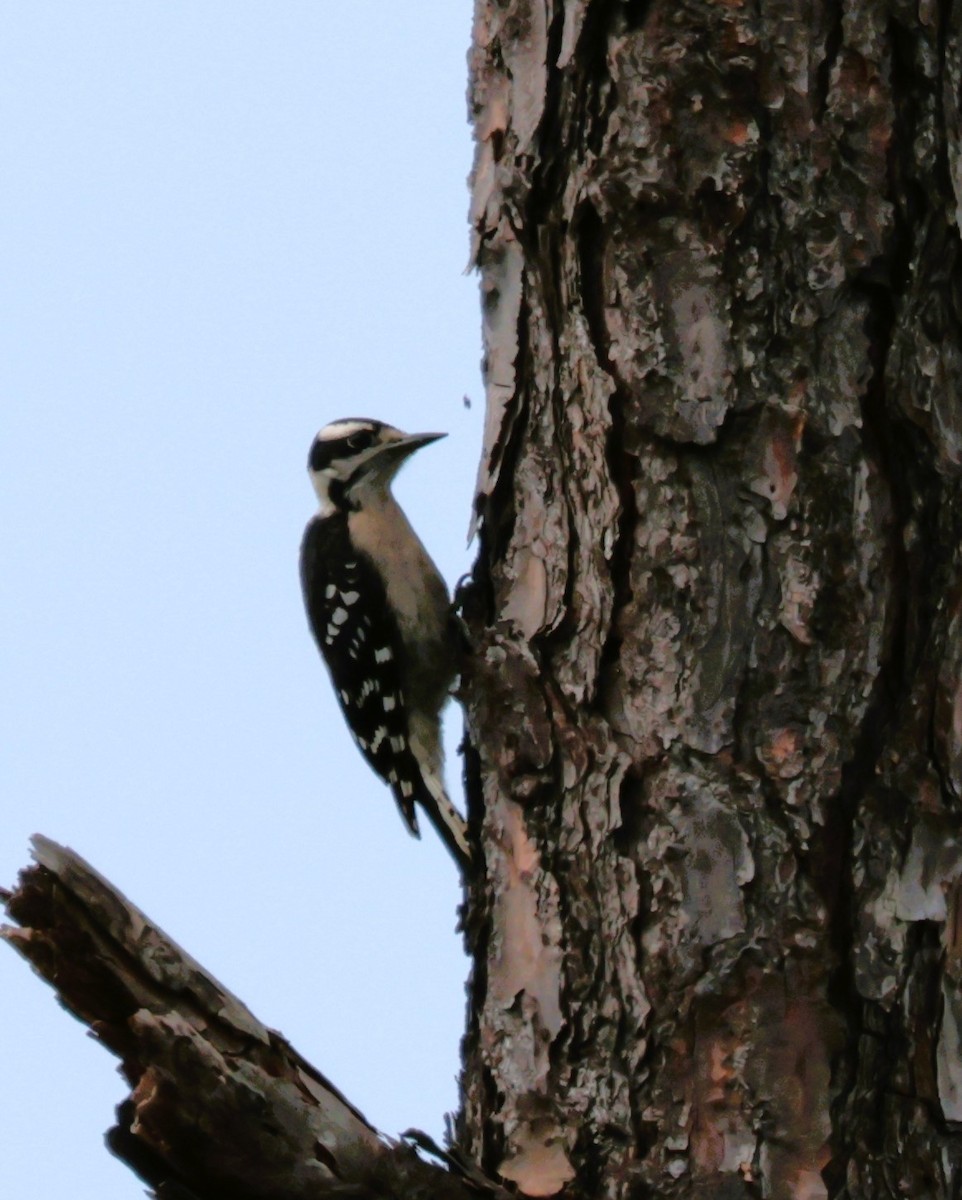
[(529, 960), (523, 39), (527, 606), (541, 1168), (573, 22)]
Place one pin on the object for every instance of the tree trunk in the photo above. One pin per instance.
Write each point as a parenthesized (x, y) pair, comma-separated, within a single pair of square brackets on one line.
[(715, 704)]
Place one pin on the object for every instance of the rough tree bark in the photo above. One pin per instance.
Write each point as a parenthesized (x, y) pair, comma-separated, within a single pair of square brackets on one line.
[(714, 702)]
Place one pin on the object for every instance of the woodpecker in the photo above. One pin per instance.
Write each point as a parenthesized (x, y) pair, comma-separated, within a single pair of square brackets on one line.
[(381, 616)]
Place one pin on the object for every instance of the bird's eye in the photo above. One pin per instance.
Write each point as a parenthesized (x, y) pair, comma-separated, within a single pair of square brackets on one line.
[(360, 441)]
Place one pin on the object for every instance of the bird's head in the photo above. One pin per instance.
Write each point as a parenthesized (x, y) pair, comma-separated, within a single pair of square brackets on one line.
[(354, 458)]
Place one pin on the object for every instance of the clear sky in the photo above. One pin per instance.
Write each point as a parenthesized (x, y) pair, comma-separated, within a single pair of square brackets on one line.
[(222, 224)]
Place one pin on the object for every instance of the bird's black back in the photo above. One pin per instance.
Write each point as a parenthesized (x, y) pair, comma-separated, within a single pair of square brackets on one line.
[(358, 638)]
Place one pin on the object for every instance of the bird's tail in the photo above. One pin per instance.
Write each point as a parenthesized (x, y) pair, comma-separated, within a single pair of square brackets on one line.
[(450, 825)]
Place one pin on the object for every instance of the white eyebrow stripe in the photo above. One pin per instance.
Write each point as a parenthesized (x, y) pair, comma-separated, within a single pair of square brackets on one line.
[(340, 429)]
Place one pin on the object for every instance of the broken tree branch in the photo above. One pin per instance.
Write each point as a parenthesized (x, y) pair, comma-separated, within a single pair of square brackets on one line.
[(219, 1105)]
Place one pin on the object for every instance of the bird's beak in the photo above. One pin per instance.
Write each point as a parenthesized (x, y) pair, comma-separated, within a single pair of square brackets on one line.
[(414, 441), (399, 450)]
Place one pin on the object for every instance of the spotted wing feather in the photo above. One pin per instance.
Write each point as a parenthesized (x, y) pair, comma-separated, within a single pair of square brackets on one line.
[(356, 635)]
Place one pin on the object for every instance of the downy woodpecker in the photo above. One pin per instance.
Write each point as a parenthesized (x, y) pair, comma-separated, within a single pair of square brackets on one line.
[(381, 616)]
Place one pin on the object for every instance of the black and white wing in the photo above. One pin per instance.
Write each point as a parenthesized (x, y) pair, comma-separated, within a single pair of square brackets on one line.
[(356, 634)]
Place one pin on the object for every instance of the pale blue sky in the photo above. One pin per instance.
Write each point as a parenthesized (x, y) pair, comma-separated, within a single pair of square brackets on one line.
[(221, 225)]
